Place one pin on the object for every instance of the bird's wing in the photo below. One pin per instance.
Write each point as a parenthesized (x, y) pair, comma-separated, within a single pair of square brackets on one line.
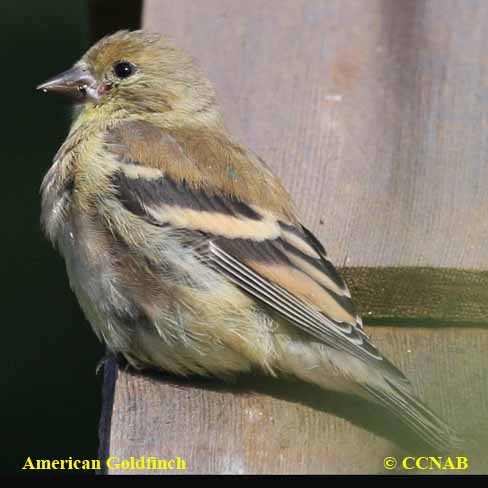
[(263, 250)]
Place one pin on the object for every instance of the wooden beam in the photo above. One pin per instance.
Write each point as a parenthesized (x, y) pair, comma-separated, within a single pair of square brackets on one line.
[(259, 426)]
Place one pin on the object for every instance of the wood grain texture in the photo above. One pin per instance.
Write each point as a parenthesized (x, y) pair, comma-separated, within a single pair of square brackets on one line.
[(374, 114), (258, 426)]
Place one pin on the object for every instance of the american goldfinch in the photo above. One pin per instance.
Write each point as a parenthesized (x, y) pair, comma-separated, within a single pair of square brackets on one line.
[(185, 252)]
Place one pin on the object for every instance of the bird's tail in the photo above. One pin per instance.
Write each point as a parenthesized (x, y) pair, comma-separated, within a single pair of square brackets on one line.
[(379, 382), (398, 399)]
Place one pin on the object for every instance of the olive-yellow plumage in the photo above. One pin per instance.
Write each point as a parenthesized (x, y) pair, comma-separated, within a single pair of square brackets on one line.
[(185, 252)]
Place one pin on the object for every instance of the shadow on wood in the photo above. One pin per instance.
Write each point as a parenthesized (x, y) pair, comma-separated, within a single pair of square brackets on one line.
[(261, 425)]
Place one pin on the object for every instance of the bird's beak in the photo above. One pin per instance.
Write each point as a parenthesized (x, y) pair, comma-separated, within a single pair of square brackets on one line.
[(77, 83)]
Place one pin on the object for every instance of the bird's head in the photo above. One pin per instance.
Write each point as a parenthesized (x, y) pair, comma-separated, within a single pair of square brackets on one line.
[(136, 72)]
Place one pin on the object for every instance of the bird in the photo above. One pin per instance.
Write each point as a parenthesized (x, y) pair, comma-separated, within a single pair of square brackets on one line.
[(186, 254)]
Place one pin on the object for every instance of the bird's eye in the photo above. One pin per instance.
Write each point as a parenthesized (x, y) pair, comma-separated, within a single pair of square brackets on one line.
[(123, 69)]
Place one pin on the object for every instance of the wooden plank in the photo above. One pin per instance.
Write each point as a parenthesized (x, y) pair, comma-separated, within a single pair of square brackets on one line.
[(373, 113), (258, 426)]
